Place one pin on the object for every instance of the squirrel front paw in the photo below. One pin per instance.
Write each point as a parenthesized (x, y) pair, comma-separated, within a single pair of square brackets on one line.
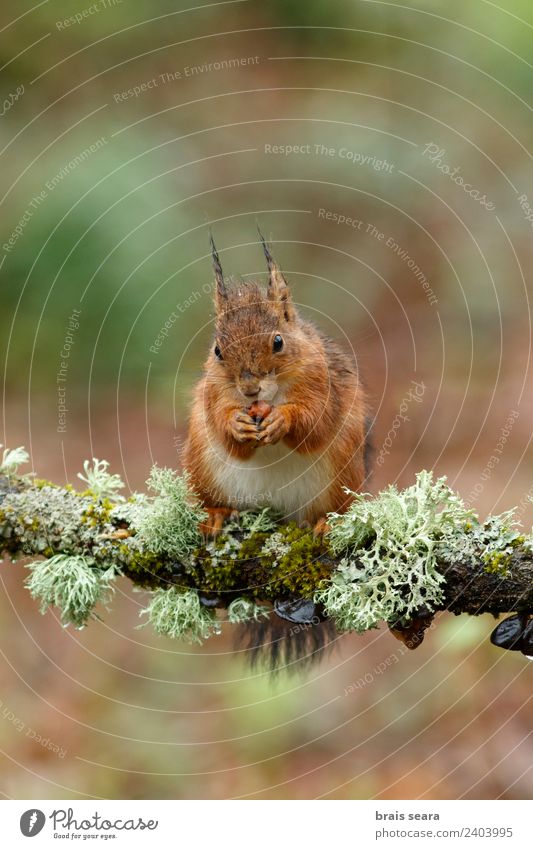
[(274, 427), (243, 428)]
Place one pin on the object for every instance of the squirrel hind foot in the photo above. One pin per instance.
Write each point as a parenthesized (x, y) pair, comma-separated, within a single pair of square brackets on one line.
[(321, 527), (216, 517)]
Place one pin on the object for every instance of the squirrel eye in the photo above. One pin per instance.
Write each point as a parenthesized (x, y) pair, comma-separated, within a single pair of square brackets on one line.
[(218, 353), (277, 344)]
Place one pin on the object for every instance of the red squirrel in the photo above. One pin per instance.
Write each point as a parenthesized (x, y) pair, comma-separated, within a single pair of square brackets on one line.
[(278, 419)]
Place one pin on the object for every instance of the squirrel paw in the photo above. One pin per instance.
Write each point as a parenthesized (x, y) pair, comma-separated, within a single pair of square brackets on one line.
[(274, 427), (243, 428), (216, 516), (321, 527)]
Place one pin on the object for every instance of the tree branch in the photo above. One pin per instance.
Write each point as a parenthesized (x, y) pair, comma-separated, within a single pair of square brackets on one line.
[(37, 518)]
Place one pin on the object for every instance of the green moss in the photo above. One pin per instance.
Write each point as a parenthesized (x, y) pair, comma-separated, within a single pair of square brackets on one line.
[(97, 513), (391, 547), (497, 563), (299, 571), (144, 569), (286, 564), (494, 541), (40, 483), (214, 574)]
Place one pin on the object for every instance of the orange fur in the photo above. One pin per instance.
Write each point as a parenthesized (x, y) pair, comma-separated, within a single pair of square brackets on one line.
[(318, 407)]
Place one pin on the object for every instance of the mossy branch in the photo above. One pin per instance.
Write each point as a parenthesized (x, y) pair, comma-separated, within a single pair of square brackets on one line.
[(395, 557)]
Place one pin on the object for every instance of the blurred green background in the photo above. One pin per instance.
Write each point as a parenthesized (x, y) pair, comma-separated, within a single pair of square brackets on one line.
[(125, 133)]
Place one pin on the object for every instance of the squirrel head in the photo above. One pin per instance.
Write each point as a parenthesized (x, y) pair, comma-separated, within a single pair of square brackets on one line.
[(260, 343)]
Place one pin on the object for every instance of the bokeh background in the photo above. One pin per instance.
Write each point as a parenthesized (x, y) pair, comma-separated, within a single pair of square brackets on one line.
[(125, 134)]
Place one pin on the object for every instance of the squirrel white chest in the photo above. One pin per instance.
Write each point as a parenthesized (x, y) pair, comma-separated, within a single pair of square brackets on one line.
[(276, 476)]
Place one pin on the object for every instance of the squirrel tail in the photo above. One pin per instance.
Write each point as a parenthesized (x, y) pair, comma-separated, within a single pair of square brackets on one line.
[(276, 645), (296, 635)]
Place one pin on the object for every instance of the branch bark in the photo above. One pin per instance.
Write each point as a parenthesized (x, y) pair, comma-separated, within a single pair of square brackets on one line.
[(44, 530), (471, 589)]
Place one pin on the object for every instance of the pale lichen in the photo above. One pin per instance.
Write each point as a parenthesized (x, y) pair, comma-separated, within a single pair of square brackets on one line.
[(12, 459), (253, 521), (244, 610), (99, 481), (130, 512), (393, 548), (73, 583), (170, 523), (494, 541), (176, 613), (275, 547), (49, 520), (390, 547)]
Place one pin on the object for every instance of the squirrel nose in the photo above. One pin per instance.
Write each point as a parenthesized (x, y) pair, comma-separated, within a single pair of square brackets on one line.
[(249, 384)]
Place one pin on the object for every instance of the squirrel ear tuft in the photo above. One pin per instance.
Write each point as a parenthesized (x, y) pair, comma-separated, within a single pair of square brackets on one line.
[(221, 292), (278, 289)]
